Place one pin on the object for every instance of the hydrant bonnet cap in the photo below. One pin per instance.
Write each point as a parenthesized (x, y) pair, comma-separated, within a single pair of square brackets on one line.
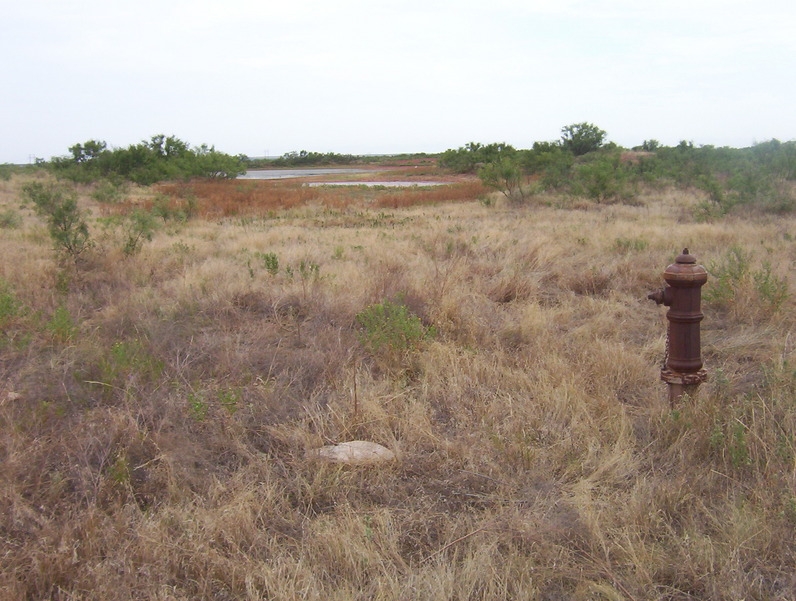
[(685, 257)]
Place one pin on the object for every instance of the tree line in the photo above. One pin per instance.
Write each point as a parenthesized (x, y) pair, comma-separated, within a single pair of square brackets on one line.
[(158, 159), (582, 163)]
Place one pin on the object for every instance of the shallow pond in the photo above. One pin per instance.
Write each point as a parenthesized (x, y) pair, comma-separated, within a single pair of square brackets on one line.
[(291, 173), (400, 184)]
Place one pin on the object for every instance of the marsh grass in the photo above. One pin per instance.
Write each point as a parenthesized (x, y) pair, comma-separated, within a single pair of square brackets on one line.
[(226, 198), (156, 420)]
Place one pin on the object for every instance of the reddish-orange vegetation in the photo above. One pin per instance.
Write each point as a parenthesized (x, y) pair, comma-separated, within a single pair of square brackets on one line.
[(225, 198), (213, 199), (469, 190)]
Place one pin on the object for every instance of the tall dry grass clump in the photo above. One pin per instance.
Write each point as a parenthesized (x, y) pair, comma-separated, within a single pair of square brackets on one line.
[(157, 408)]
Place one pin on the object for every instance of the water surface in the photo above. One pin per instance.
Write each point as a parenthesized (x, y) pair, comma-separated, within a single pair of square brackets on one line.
[(291, 173), (399, 184)]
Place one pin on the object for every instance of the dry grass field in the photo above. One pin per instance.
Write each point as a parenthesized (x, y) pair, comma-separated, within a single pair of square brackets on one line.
[(157, 409)]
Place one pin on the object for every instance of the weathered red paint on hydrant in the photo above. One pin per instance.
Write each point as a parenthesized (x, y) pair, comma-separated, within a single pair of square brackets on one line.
[(682, 369)]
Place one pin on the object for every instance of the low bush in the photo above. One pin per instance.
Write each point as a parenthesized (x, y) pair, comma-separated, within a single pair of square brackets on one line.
[(109, 192), (138, 227), (66, 223), (506, 176), (391, 331), (10, 219), (602, 179), (735, 282)]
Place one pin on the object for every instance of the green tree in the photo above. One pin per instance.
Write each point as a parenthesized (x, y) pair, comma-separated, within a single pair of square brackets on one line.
[(505, 175), (581, 138), (650, 145), (468, 158), (87, 151)]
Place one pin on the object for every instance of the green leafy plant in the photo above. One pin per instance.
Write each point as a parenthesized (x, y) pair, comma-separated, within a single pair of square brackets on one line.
[(109, 192), (270, 262), (119, 470), (197, 407), (582, 138), (738, 447), (9, 305), (467, 158), (67, 226), (126, 358), (727, 277), (390, 331), (139, 227), (162, 209), (602, 179), (733, 276), (504, 175), (309, 272), (61, 325), (229, 399), (772, 289), (10, 219)]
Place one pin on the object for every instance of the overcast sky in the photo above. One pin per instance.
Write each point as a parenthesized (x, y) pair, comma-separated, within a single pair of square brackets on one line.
[(366, 76)]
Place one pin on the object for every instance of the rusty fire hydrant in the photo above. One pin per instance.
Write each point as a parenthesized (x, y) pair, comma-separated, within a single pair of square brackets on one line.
[(682, 367)]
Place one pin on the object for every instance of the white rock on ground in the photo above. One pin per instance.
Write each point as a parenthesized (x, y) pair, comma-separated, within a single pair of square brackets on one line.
[(355, 452)]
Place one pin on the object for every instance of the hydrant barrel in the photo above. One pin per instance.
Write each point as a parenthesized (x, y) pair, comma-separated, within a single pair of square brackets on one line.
[(686, 279), (682, 370)]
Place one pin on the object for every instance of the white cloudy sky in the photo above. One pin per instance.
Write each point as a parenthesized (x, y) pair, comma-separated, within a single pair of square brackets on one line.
[(366, 76)]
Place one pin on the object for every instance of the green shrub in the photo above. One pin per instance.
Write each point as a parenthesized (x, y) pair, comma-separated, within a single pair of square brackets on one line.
[(61, 325), (9, 305), (390, 331), (309, 272), (727, 277), (772, 290), (467, 158), (197, 406), (109, 192), (10, 220), (58, 205), (504, 175), (127, 358), (270, 262), (733, 276), (729, 441), (138, 228), (229, 399), (706, 211), (556, 168), (602, 179)]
